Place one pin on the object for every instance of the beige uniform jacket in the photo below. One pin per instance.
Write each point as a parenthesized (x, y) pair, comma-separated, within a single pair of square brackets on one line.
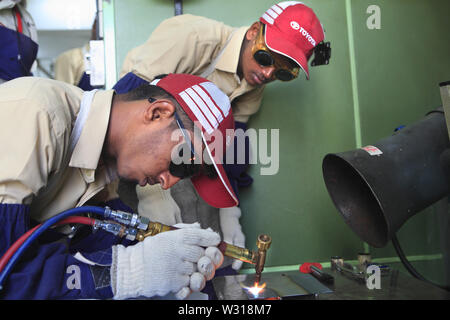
[(189, 44), (70, 65), (36, 167)]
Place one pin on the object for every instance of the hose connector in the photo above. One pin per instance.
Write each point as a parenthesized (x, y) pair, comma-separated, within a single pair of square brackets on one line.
[(128, 219), (116, 229)]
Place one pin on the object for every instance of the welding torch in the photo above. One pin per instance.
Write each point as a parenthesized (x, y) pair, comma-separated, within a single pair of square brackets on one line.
[(258, 258), (135, 227), (132, 227)]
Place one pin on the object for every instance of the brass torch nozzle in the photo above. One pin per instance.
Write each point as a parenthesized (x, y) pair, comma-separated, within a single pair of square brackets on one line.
[(263, 244)]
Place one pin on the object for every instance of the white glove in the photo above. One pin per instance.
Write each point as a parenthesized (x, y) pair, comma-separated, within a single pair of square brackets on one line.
[(157, 204), (232, 230), (173, 261)]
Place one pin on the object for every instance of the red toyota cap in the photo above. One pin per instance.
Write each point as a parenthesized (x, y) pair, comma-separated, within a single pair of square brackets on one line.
[(210, 110), (293, 30)]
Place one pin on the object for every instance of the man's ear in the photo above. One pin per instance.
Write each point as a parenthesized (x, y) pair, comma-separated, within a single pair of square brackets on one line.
[(252, 32), (158, 110)]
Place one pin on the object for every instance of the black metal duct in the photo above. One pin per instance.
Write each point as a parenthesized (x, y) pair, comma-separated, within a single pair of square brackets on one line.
[(377, 192)]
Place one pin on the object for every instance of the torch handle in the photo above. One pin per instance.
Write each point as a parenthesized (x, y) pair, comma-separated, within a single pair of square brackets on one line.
[(227, 249), (238, 253)]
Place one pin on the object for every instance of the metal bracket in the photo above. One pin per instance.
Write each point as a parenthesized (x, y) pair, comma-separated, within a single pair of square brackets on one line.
[(445, 96), (97, 62)]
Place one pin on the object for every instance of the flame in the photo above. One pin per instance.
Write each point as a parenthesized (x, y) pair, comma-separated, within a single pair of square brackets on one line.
[(256, 290)]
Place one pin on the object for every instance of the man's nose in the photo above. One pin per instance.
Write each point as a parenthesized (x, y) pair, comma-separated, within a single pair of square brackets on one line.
[(268, 72)]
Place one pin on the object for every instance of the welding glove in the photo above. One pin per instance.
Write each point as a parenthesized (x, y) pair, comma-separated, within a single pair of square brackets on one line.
[(170, 262), (232, 230), (157, 204)]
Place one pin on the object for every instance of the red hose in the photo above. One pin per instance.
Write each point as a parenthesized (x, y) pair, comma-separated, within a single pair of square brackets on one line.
[(4, 260)]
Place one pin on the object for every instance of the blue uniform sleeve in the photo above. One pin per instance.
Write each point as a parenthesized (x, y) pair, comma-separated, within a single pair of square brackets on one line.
[(49, 270), (128, 82)]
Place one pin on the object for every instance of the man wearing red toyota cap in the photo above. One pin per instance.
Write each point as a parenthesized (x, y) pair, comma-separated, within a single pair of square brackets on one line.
[(240, 61), (70, 145)]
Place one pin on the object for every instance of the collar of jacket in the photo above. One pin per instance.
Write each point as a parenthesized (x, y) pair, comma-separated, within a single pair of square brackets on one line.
[(88, 149), (230, 57)]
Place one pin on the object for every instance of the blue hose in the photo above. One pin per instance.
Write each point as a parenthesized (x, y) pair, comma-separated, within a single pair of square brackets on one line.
[(47, 224)]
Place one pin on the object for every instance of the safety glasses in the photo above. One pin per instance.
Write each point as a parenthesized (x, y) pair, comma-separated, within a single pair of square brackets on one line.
[(265, 58), (186, 167)]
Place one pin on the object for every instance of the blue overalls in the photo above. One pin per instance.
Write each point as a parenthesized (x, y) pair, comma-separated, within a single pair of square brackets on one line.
[(85, 83), (17, 52)]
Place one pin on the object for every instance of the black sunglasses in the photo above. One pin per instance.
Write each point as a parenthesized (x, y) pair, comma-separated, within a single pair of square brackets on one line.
[(264, 58), (185, 168)]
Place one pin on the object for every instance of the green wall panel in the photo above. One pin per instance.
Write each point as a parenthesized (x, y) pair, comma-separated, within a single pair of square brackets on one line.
[(135, 21)]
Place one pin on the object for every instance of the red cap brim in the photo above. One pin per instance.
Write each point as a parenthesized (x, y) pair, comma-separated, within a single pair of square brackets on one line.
[(275, 41), (216, 192)]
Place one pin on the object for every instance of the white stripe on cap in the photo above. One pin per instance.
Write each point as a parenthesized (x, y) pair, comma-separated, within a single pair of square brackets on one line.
[(266, 17), (196, 111), (220, 98), (286, 4), (208, 103), (212, 106), (277, 9), (203, 107), (272, 13)]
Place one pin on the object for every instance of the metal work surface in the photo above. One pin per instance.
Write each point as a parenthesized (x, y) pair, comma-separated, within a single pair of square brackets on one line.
[(285, 285), (395, 285)]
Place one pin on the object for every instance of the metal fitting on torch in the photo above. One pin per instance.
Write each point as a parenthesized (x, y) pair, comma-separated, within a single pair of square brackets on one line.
[(263, 244), (153, 228), (132, 220)]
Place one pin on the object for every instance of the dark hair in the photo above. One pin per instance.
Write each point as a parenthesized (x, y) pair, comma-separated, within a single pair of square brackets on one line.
[(146, 91)]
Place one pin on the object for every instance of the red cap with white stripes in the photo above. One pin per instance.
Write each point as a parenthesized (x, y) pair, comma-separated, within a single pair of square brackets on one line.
[(293, 30), (210, 110)]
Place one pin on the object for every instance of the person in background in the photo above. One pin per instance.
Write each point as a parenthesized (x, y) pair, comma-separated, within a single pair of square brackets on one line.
[(18, 40), (240, 61), (71, 66)]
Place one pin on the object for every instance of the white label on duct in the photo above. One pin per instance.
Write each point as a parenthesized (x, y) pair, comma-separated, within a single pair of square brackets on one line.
[(373, 151)]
